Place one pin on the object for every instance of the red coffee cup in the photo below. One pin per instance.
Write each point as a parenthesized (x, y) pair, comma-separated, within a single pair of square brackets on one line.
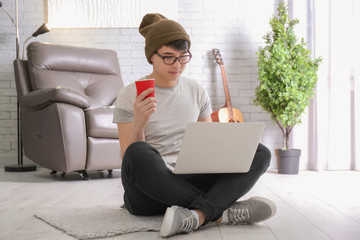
[(142, 85)]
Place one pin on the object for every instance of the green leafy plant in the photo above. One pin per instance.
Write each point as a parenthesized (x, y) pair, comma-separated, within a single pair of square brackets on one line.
[(287, 74)]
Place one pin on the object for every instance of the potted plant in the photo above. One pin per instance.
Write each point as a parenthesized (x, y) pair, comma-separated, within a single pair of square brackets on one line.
[(287, 75)]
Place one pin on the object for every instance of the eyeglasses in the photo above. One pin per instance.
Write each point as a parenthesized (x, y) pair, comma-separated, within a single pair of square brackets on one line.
[(169, 60)]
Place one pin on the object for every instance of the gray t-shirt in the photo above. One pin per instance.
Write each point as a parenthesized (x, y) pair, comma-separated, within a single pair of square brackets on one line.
[(187, 102)]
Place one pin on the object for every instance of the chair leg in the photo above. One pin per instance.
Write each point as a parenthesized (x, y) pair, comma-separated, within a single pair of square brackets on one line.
[(110, 171), (84, 175)]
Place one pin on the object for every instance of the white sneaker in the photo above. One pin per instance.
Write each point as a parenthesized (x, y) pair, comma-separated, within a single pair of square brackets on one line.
[(253, 210), (177, 220)]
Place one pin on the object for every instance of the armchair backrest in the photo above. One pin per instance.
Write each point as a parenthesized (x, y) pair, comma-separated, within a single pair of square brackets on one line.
[(93, 72), (21, 78)]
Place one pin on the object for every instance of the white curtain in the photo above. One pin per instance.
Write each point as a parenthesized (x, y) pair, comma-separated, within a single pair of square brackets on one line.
[(330, 134)]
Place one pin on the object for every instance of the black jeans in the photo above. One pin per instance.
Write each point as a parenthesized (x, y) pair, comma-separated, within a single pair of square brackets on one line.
[(150, 187)]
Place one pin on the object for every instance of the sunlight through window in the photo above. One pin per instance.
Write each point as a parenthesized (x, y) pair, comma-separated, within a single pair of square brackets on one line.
[(106, 14)]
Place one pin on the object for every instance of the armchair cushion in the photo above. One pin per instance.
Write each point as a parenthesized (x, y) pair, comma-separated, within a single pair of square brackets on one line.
[(99, 123)]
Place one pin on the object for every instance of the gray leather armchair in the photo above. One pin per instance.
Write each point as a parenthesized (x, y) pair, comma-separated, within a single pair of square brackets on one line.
[(65, 95)]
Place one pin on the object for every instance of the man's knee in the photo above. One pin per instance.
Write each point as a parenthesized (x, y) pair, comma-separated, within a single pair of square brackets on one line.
[(136, 148), (133, 153), (262, 158), (140, 154)]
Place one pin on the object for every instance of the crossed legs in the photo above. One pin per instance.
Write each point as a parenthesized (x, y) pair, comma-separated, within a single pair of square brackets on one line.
[(150, 188)]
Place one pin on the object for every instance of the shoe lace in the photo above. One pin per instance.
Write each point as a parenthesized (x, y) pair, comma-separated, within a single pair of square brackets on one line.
[(188, 224), (240, 214)]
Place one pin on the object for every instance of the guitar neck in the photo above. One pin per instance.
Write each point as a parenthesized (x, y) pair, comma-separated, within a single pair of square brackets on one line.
[(227, 94)]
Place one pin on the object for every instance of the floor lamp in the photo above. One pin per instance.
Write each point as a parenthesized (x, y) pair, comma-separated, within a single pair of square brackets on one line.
[(21, 167)]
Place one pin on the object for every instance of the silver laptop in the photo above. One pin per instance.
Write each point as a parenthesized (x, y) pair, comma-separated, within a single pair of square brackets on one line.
[(209, 147)]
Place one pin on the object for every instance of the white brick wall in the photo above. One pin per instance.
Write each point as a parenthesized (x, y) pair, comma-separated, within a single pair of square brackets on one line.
[(235, 27)]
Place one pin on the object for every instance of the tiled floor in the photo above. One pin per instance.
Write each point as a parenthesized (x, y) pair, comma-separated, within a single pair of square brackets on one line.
[(311, 205)]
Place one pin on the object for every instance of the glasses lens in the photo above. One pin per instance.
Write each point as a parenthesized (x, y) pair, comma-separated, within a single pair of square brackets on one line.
[(184, 59), (169, 60)]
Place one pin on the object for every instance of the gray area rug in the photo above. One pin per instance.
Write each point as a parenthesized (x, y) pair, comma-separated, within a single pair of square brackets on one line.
[(97, 222)]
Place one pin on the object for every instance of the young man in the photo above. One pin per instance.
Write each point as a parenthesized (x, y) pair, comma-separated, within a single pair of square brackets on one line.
[(150, 133)]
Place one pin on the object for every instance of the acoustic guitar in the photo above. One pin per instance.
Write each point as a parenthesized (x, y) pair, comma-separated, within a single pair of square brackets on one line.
[(227, 113)]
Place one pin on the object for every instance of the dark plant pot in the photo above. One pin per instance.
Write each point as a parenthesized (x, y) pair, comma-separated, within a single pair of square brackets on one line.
[(288, 161)]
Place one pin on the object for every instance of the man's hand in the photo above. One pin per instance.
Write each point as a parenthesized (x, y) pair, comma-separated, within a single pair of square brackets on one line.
[(143, 108), (131, 132)]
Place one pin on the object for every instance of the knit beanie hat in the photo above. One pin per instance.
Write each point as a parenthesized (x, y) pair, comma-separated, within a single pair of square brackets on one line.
[(159, 31)]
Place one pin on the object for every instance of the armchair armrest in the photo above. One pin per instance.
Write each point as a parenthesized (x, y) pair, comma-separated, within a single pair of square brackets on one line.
[(41, 98)]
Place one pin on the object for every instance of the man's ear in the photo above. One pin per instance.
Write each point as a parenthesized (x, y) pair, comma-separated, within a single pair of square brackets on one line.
[(151, 59)]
